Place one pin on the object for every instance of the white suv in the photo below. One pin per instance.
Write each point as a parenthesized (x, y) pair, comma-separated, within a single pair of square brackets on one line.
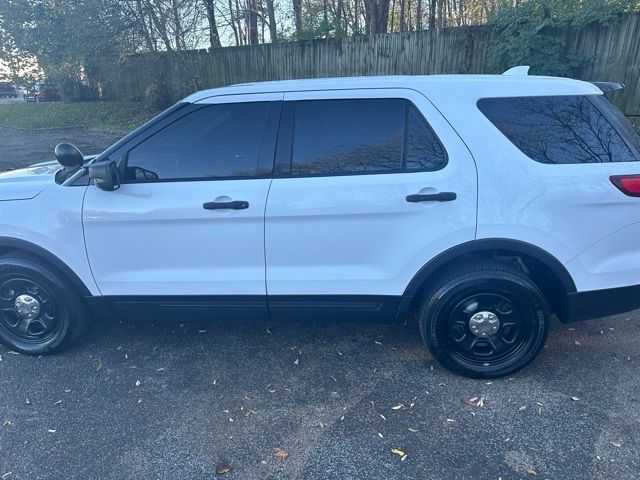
[(481, 203)]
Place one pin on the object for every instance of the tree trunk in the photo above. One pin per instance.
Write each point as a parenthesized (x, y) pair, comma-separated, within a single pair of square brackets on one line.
[(232, 22), (432, 14), (179, 39), (419, 15), (402, 19), (214, 36), (338, 19), (144, 27), (243, 39), (160, 25), (273, 32), (252, 22), (297, 15), (377, 12)]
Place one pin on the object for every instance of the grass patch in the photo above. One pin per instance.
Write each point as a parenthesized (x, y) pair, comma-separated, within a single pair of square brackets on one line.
[(105, 115)]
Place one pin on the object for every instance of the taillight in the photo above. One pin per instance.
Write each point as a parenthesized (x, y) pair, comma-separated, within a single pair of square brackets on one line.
[(627, 184)]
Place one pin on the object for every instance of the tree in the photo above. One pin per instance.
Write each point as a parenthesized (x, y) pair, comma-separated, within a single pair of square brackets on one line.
[(297, 14), (376, 15), (273, 31), (214, 36)]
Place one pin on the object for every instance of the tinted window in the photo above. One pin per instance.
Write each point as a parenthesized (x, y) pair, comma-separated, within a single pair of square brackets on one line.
[(423, 150), (217, 141), (562, 129), (362, 136)]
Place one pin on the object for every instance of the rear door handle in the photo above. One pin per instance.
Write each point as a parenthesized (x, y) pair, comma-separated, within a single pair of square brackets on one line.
[(237, 205), (432, 197)]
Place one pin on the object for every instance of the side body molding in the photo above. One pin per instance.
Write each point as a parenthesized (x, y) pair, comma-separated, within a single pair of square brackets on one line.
[(477, 247)]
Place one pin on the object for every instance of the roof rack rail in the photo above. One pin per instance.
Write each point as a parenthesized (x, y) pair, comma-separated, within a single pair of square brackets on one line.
[(519, 70)]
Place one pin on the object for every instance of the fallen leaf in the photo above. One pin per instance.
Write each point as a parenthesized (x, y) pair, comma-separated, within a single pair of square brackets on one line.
[(249, 412), (138, 383), (450, 420), (140, 400), (67, 390), (574, 398), (296, 362), (413, 430), (27, 401), (397, 407), (400, 453), (532, 472), (51, 430), (7, 423), (6, 475), (616, 444), (57, 403), (223, 467), (475, 402), (98, 366), (1, 359), (523, 407), (380, 435), (382, 416), (281, 453)]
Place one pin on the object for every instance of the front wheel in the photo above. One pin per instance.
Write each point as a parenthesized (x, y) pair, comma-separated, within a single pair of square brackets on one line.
[(40, 311), (484, 319)]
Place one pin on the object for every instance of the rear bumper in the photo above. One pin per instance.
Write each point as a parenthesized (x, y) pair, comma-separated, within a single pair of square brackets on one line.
[(601, 303)]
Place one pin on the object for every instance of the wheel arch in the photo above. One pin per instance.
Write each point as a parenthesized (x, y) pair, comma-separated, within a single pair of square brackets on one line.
[(546, 271), (8, 245)]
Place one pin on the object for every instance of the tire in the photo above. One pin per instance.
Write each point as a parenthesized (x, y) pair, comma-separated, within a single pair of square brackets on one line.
[(506, 310), (40, 311)]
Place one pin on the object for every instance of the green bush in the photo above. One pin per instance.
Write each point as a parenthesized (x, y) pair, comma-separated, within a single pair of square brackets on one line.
[(530, 33)]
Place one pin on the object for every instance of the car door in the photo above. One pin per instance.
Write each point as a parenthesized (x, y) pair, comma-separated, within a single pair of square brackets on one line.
[(185, 230), (369, 186)]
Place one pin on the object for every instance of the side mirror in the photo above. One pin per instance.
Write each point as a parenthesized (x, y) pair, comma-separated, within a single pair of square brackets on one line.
[(105, 175), (68, 156)]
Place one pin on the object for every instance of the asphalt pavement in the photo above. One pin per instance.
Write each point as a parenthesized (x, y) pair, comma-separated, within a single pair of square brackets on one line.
[(176, 400)]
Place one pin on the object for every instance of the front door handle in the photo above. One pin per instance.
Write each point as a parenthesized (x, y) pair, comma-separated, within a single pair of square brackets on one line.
[(237, 205), (432, 197)]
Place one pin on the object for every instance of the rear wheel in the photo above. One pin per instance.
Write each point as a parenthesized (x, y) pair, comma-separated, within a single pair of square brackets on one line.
[(40, 312), (484, 319)]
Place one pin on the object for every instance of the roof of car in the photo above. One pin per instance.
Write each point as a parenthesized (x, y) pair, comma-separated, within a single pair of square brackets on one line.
[(420, 82)]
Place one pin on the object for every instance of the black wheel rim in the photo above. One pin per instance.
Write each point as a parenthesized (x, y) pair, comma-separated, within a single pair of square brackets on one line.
[(37, 319), (513, 333)]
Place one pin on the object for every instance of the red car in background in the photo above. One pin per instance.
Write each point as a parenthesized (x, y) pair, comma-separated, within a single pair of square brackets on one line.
[(43, 93)]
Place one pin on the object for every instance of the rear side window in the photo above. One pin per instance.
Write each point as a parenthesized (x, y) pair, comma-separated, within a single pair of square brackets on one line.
[(564, 129), (216, 141), (335, 137)]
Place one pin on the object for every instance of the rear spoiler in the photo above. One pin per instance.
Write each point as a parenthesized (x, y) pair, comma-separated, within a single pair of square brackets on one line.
[(608, 87)]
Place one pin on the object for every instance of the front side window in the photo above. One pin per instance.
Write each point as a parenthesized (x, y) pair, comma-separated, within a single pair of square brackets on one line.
[(334, 137), (216, 141), (564, 129)]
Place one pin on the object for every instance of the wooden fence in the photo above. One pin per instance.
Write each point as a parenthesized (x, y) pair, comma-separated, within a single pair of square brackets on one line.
[(613, 52)]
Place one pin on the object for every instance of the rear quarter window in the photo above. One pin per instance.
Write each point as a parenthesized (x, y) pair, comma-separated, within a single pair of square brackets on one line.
[(564, 129)]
